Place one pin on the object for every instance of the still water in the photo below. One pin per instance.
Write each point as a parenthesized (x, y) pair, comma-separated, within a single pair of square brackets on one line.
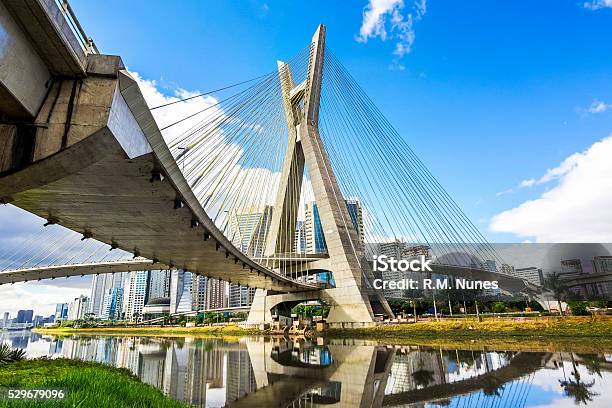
[(278, 372)]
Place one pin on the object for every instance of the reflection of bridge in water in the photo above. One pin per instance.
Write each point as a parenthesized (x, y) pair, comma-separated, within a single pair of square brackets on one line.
[(281, 372)]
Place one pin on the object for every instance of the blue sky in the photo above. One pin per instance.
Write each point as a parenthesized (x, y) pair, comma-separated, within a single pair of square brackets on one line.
[(509, 104), (489, 95)]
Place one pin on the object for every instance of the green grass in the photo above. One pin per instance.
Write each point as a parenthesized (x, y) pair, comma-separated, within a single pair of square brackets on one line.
[(552, 327), (87, 384)]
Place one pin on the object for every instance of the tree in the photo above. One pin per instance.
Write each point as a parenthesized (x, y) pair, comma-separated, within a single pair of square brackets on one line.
[(554, 284), (578, 308), (499, 307), (577, 389)]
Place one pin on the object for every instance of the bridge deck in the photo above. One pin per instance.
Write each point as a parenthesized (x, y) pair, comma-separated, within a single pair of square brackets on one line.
[(101, 186)]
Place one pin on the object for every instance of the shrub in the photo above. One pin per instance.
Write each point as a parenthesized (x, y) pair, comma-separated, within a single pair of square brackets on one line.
[(578, 308), (8, 355), (499, 307)]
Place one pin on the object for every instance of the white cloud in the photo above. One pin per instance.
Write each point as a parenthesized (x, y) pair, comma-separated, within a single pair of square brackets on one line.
[(577, 209), (40, 298), (555, 173), (172, 113), (508, 191), (388, 19), (597, 4), (597, 106)]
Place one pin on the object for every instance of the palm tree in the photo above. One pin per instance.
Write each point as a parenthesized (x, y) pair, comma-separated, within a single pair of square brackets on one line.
[(577, 389), (554, 284), (422, 377)]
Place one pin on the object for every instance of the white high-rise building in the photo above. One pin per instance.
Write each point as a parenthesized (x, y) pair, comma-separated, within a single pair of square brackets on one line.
[(100, 285), (113, 304), (137, 294), (180, 291), (198, 292), (159, 284), (299, 243), (240, 295), (78, 308), (531, 274), (126, 295)]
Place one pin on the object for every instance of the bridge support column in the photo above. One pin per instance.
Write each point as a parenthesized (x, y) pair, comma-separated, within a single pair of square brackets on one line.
[(260, 312)]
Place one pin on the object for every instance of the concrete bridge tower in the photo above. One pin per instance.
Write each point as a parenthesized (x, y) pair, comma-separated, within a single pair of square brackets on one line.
[(352, 300)]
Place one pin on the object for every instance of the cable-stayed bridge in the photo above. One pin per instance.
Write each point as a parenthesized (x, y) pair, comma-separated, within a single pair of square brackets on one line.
[(232, 185)]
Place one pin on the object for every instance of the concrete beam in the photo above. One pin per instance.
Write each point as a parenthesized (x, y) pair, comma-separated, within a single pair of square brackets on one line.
[(64, 271), (24, 76)]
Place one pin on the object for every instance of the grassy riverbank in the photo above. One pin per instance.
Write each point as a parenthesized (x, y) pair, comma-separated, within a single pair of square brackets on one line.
[(227, 330), (536, 327), (86, 384), (549, 327)]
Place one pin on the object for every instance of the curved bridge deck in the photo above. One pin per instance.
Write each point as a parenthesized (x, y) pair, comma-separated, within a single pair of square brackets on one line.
[(101, 186)]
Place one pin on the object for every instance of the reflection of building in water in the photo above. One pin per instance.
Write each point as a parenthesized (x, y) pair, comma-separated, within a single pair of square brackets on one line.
[(215, 368), (176, 370), (19, 342), (55, 346), (422, 369), (240, 376), (416, 369), (151, 364), (316, 356)]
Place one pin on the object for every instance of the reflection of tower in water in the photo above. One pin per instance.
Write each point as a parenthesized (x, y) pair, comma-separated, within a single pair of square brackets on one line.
[(240, 377)]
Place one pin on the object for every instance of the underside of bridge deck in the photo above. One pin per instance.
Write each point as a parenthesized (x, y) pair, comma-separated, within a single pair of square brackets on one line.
[(102, 173)]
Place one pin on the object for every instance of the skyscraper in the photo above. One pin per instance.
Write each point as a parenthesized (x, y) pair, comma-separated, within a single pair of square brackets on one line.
[(180, 291), (100, 285), (240, 295), (25, 316), (249, 229), (531, 274), (216, 296), (137, 294), (159, 284), (61, 311), (356, 212), (113, 304), (78, 308), (5, 319), (315, 237), (299, 243), (198, 292)]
